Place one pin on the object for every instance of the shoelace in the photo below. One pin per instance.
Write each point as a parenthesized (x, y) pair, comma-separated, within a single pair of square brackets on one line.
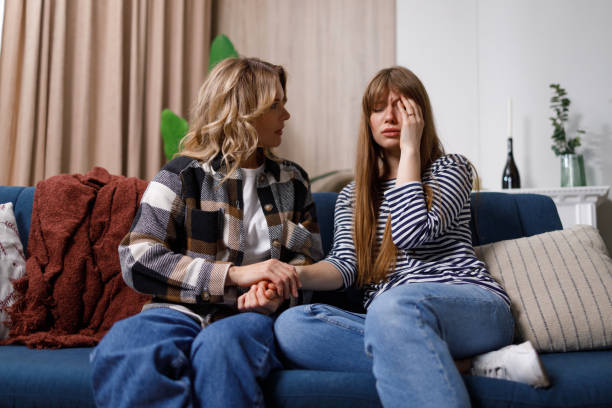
[(496, 372), (491, 372)]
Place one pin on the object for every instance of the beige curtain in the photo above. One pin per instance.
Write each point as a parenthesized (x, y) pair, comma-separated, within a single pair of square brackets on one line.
[(83, 83)]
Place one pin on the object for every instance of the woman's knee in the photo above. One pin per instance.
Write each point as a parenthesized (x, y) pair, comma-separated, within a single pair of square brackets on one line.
[(145, 351), (293, 320), (399, 308), (234, 333), (322, 337), (122, 335), (300, 332), (395, 302), (149, 327)]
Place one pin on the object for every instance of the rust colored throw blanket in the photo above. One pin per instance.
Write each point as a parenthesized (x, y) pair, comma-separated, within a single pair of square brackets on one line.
[(73, 291)]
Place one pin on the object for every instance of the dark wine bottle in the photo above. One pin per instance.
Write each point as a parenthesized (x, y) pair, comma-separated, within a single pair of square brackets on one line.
[(510, 177)]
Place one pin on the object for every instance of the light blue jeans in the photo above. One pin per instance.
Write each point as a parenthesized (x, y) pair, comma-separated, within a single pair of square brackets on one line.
[(408, 340), (162, 358)]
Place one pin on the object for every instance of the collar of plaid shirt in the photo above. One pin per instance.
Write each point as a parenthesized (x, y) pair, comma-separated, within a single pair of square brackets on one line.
[(271, 165)]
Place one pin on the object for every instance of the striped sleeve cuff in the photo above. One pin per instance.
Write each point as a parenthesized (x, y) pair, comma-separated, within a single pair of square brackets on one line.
[(347, 272)]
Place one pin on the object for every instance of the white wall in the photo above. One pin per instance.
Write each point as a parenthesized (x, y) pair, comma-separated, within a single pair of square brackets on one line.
[(473, 55)]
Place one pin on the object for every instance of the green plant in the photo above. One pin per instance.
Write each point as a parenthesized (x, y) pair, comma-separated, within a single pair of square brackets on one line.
[(173, 127), (220, 49), (560, 103)]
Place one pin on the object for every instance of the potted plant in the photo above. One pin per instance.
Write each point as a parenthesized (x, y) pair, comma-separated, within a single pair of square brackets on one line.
[(572, 163)]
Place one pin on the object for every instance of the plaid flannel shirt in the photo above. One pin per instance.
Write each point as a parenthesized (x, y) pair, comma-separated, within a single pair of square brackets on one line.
[(188, 231)]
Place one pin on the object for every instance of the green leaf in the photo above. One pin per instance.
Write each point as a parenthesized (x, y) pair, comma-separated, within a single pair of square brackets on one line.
[(559, 134), (573, 143), (220, 49), (173, 129)]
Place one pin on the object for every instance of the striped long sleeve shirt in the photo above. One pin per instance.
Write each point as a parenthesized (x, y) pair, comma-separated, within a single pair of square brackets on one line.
[(433, 245)]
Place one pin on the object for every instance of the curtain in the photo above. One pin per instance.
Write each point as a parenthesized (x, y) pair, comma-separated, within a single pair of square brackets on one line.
[(83, 83)]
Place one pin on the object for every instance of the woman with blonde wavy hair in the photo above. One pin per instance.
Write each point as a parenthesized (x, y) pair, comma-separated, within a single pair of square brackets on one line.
[(216, 241), (402, 234)]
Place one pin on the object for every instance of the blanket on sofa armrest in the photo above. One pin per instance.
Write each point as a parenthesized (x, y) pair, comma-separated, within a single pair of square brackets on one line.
[(73, 290)]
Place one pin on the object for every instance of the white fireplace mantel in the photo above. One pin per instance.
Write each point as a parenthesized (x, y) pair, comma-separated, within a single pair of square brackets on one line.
[(576, 205)]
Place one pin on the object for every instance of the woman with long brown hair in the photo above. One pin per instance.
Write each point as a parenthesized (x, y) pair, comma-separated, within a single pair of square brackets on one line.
[(224, 216), (401, 233)]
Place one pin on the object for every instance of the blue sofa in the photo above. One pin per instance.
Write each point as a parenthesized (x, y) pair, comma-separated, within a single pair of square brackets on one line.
[(61, 378)]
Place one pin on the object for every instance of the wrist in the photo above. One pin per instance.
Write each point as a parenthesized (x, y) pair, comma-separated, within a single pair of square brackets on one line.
[(228, 278), (303, 275), (410, 151), (299, 270)]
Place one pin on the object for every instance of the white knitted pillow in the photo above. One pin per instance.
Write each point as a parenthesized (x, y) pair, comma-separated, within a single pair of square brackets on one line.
[(560, 284), (12, 261)]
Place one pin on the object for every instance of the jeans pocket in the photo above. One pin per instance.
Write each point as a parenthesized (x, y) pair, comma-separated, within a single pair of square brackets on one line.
[(342, 318)]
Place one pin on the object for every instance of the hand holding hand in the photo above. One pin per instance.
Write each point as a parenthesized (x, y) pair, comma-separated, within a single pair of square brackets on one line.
[(283, 275), (261, 298), (412, 124)]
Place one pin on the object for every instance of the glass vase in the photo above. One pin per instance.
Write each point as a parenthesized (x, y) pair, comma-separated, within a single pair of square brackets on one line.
[(572, 170)]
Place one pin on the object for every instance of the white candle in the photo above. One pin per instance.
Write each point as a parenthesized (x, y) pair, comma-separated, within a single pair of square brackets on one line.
[(509, 117)]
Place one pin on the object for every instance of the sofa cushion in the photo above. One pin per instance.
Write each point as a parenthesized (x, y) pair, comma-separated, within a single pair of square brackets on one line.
[(325, 203), (45, 378), (579, 379), (500, 216), (321, 389), (12, 261), (61, 378), (22, 199), (560, 284)]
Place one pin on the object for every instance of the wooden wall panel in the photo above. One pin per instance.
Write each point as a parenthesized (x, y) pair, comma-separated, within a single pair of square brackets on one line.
[(330, 48)]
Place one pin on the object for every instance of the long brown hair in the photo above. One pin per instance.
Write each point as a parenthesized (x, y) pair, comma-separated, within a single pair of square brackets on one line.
[(372, 166), (235, 93)]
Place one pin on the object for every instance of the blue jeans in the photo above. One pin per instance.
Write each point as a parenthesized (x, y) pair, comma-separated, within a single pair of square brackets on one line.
[(408, 339), (162, 358)]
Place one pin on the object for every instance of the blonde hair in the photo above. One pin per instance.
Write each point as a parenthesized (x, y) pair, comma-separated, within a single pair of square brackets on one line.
[(235, 93), (373, 167)]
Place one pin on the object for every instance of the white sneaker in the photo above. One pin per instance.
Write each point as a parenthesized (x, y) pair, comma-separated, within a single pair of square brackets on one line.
[(517, 362)]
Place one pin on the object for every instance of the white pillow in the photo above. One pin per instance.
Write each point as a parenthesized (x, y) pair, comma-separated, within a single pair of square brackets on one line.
[(560, 284), (12, 261)]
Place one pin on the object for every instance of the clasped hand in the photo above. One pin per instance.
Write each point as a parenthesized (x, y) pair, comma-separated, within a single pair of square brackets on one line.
[(270, 282), (261, 298)]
